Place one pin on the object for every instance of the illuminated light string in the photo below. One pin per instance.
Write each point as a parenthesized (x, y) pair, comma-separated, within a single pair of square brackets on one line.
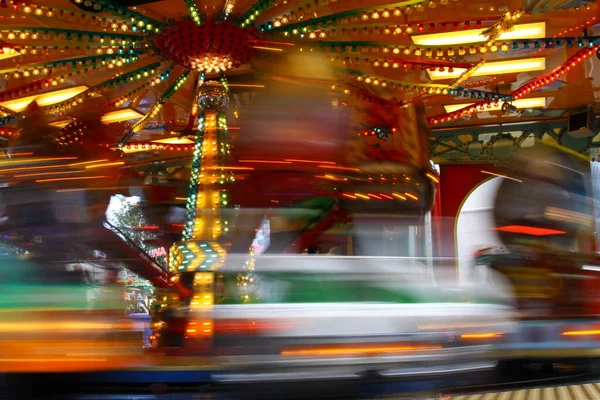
[(396, 63), (194, 11), (31, 51), (364, 14), (345, 89), (466, 75), (137, 19), (190, 208), (152, 81), (131, 76), (70, 15), (157, 146), (42, 33), (504, 24), (166, 95), (537, 83), (107, 59), (49, 81), (360, 47), (330, 30)]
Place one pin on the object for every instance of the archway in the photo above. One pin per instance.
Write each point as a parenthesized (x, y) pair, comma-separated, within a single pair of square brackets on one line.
[(475, 226)]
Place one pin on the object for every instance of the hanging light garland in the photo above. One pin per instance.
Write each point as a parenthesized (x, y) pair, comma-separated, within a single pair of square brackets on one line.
[(392, 84), (385, 48), (194, 12), (137, 19), (158, 146), (258, 8), (41, 33), (30, 51), (70, 15), (506, 23), (282, 24), (46, 83), (396, 63), (110, 60), (152, 81), (467, 74), (113, 82), (167, 94), (318, 32), (537, 83)]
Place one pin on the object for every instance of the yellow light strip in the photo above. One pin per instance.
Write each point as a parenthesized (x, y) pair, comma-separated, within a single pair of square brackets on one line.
[(62, 123), (581, 333), (245, 85), (87, 162), (267, 48), (356, 350), (126, 114), (495, 68), (105, 165), (533, 30), (8, 52), (533, 102), (44, 99), (34, 160), (174, 140)]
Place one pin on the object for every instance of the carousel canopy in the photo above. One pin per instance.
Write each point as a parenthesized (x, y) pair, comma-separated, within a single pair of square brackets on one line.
[(137, 64)]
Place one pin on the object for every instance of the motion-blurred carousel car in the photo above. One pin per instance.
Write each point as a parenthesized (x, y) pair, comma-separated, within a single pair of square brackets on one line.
[(544, 215)]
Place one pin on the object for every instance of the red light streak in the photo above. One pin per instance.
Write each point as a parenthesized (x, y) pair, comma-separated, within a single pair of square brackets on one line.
[(529, 230)]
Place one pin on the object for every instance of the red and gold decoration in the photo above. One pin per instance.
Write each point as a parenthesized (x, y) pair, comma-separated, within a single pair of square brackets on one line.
[(212, 47)]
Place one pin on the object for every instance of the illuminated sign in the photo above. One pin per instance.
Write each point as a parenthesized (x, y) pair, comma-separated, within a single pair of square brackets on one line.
[(158, 252)]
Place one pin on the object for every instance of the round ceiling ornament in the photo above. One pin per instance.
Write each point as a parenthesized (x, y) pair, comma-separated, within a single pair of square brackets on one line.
[(213, 47)]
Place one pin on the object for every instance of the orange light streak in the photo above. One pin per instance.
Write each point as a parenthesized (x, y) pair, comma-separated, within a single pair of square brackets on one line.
[(247, 85), (331, 178), (362, 196), (385, 196), (480, 335), (267, 48), (374, 196), (581, 333), (412, 196), (433, 177), (48, 173), (233, 168), (18, 154), (399, 196), (271, 42), (310, 161), (338, 167), (36, 160), (105, 165), (87, 162), (348, 196), (356, 350), (70, 179), (30, 168), (266, 161)]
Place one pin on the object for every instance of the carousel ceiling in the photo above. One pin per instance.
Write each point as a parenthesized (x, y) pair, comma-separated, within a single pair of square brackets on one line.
[(471, 63)]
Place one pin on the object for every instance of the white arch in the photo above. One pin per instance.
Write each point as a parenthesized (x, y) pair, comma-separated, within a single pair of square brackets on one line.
[(474, 228)]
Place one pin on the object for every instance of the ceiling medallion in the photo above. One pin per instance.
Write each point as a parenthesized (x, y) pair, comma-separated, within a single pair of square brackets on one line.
[(213, 47)]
